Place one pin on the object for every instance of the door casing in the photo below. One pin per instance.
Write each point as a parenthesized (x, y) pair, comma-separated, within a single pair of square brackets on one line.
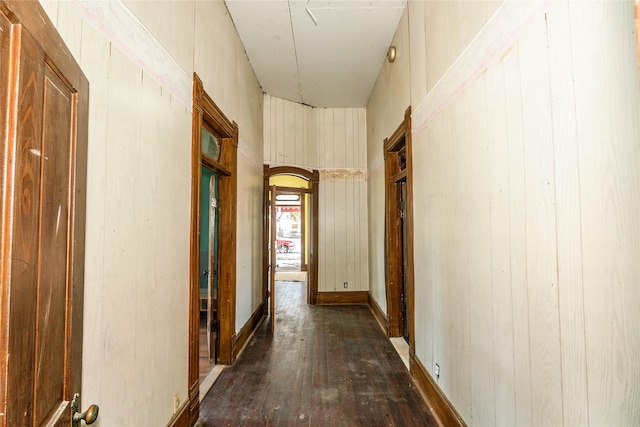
[(206, 113), (313, 178), (395, 171)]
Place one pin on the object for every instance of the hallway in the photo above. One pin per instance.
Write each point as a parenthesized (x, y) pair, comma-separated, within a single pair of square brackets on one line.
[(324, 366)]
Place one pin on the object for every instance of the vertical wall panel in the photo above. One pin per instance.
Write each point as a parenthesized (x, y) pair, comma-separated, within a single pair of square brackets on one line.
[(289, 125), (342, 235), (568, 217), (498, 169), (119, 299), (541, 227), (607, 100), (518, 241), (418, 53), (479, 244), (339, 138), (95, 56)]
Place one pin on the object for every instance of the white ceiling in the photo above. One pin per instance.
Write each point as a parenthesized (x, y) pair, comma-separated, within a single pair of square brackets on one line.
[(332, 64)]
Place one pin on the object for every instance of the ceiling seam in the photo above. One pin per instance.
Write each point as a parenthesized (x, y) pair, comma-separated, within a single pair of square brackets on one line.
[(295, 53)]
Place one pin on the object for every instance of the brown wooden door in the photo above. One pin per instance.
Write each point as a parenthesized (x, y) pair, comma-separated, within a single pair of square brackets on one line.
[(272, 258), (43, 130)]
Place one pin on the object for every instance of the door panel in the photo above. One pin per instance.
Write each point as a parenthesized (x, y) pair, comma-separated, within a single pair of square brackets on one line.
[(212, 306), (272, 256), (43, 155), (52, 293)]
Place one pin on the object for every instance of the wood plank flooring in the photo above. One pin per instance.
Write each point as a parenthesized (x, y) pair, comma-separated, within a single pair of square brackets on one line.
[(324, 366)]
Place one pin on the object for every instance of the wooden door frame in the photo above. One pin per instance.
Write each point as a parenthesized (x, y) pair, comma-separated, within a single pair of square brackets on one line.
[(313, 178), (206, 113), (400, 140)]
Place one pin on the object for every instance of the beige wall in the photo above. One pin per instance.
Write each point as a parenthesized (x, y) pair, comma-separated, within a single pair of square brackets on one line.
[(333, 141), (385, 112), (526, 215), (137, 253)]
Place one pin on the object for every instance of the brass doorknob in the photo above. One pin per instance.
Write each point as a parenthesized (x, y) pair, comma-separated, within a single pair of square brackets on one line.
[(89, 416)]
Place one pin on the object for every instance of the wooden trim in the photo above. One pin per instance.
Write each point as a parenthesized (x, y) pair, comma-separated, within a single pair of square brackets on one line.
[(194, 404), (180, 418), (240, 339), (436, 400), (339, 298), (409, 279), (290, 170), (312, 275), (293, 190), (379, 314), (400, 140), (206, 111)]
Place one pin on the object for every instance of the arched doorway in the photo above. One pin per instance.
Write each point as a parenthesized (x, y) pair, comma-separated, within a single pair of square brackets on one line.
[(295, 191)]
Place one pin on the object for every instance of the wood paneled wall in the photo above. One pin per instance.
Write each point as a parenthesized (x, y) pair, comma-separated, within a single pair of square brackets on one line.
[(526, 215), (137, 250), (332, 140), (385, 112)]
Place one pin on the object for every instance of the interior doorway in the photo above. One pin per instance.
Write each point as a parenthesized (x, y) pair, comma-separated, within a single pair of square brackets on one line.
[(399, 234), (213, 244), (290, 229), (209, 263)]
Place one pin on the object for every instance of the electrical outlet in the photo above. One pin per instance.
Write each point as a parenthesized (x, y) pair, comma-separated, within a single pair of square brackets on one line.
[(437, 371), (176, 403), (346, 285)]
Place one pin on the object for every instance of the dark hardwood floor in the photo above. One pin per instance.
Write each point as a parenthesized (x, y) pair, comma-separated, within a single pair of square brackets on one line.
[(324, 366)]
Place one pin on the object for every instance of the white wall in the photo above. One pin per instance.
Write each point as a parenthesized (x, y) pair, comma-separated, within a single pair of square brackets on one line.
[(526, 206), (385, 112), (332, 140), (137, 252)]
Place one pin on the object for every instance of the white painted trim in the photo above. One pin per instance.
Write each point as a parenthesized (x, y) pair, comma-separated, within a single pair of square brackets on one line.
[(502, 30), (122, 28)]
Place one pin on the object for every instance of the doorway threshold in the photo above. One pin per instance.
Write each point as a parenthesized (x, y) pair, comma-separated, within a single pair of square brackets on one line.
[(402, 347), (207, 383)]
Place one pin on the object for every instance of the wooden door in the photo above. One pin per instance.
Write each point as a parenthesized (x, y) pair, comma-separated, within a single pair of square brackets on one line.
[(272, 257), (43, 131), (212, 283)]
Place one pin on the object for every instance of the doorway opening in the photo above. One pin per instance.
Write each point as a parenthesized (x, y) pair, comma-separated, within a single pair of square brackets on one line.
[(209, 346), (290, 230), (399, 234), (213, 245)]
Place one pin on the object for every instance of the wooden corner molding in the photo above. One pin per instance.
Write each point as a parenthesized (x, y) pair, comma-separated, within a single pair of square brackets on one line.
[(436, 400)]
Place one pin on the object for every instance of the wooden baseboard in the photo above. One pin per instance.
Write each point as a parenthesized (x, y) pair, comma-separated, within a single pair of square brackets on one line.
[(435, 398), (241, 338), (379, 314), (337, 298), (180, 418)]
